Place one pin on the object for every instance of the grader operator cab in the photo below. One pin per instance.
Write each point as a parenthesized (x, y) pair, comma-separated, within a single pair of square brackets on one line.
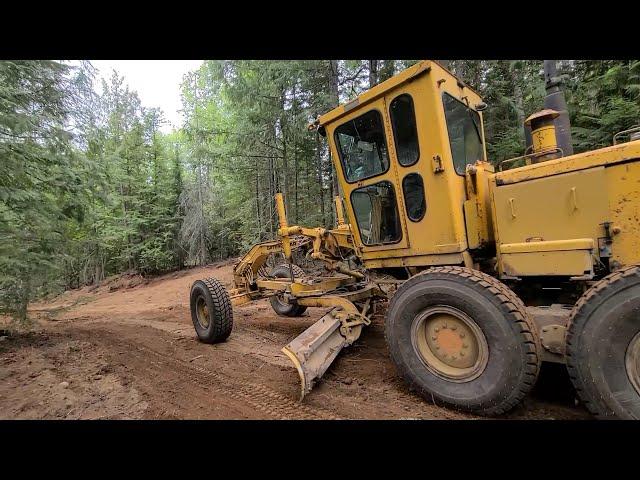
[(484, 273)]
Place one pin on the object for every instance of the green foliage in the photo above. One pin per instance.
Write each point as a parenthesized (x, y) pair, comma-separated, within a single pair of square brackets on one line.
[(606, 100), (88, 185), (39, 183)]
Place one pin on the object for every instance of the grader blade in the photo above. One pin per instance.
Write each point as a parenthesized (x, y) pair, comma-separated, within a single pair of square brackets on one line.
[(315, 349)]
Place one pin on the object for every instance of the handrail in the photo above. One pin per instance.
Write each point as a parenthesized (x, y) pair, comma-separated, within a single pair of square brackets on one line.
[(629, 130), (532, 154)]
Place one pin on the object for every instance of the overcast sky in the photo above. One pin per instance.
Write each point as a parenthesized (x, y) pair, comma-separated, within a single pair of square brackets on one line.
[(156, 81)]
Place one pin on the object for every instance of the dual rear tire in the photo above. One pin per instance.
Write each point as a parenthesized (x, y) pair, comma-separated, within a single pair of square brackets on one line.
[(603, 346), (463, 339)]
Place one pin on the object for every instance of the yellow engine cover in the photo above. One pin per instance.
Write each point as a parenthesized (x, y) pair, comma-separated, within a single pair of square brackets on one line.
[(551, 218)]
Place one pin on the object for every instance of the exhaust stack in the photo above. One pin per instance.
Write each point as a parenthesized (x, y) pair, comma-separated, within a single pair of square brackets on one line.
[(555, 100)]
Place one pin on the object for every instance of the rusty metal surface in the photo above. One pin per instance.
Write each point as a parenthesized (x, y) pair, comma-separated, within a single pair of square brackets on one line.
[(552, 338), (551, 322), (546, 113), (313, 351)]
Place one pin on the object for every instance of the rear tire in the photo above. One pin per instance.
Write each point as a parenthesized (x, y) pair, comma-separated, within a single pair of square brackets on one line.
[(279, 305), (603, 346), (466, 312), (211, 311)]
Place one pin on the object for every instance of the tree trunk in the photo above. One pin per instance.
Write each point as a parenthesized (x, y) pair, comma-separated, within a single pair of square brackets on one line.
[(258, 201), (285, 171), (334, 99), (319, 168), (373, 73), (387, 71), (295, 158), (334, 94), (202, 251), (518, 99)]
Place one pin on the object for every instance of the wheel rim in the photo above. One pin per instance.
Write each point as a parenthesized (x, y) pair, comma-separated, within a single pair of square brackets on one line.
[(632, 362), (202, 312), (449, 343), (280, 299)]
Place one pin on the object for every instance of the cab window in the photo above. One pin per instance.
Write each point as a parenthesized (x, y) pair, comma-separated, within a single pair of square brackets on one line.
[(362, 147), (376, 213), (413, 189), (405, 132), (465, 138)]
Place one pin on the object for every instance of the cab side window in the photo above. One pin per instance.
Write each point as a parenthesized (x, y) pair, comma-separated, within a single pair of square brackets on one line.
[(405, 132), (465, 138)]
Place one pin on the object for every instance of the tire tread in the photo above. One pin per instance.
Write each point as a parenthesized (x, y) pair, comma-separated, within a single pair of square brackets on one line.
[(577, 321), (223, 321), (514, 309)]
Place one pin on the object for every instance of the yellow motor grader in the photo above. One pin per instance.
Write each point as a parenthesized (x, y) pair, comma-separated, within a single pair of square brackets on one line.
[(484, 272)]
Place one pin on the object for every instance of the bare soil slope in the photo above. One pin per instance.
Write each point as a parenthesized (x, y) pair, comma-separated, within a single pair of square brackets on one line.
[(128, 350)]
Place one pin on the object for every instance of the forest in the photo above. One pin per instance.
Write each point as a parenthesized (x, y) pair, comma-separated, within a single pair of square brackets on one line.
[(91, 187)]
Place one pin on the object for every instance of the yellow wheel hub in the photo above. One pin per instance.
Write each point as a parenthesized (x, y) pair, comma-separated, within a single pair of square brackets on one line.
[(450, 343), (202, 312)]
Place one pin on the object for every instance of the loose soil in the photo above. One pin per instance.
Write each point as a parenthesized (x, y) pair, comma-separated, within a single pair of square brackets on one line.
[(128, 350)]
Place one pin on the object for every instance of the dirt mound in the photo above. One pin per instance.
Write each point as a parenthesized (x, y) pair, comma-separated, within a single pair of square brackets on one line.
[(118, 282)]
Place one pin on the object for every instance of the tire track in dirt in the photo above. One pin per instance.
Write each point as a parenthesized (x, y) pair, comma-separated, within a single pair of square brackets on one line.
[(258, 396)]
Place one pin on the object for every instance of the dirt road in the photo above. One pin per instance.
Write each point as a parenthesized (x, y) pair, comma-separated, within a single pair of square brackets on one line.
[(128, 350)]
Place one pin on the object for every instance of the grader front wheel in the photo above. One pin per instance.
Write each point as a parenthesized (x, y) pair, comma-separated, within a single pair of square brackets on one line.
[(463, 339), (211, 311)]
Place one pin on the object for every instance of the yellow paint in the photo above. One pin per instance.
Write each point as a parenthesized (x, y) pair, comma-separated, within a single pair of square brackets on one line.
[(542, 258), (543, 134), (477, 209), (550, 246), (339, 213), (569, 198), (607, 156), (546, 207), (574, 263), (544, 138), (282, 219), (442, 231), (623, 185)]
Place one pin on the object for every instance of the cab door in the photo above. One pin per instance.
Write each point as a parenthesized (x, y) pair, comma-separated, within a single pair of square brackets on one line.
[(360, 144)]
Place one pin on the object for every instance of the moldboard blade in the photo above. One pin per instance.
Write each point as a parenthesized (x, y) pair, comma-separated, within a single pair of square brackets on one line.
[(314, 350)]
